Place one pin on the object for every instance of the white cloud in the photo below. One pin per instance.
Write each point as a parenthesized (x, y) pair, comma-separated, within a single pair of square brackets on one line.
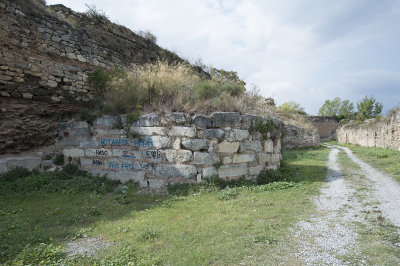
[(303, 51)]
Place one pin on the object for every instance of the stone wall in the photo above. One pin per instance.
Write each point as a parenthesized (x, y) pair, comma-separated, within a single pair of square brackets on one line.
[(174, 148), (46, 55), (384, 133), (296, 136), (326, 126)]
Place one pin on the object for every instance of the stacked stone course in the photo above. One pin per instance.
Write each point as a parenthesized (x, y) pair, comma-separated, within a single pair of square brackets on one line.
[(174, 148)]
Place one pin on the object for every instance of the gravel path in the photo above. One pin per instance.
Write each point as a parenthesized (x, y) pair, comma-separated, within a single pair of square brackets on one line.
[(385, 189), (329, 236)]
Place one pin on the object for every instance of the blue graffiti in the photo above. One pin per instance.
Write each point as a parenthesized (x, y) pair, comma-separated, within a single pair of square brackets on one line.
[(122, 165), (114, 142), (146, 142)]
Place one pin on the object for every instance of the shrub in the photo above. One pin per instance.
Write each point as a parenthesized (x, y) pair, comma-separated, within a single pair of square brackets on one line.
[(148, 36), (59, 160), (43, 254), (16, 173), (95, 13), (292, 107)]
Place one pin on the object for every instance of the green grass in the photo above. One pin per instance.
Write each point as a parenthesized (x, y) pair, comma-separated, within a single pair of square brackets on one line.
[(206, 226), (387, 160)]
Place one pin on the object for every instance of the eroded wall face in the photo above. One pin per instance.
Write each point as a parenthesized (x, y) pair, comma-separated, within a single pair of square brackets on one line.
[(172, 149), (373, 134), (326, 126)]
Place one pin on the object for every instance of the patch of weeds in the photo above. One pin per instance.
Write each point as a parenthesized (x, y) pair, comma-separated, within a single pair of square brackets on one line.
[(217, 165), (82, 233), (127, 193), (227, 194), (42, 254), (129, 256), (265, 238), (148, 235), (14, 174), (88, 116), (263, 127), (59, 159)]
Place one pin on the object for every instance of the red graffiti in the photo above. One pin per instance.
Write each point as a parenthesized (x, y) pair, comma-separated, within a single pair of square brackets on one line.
[(66, 134)]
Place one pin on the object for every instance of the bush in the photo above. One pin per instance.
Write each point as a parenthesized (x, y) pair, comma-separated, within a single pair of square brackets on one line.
[(292, 108), (59, 160), (14, 174), (43, 254)]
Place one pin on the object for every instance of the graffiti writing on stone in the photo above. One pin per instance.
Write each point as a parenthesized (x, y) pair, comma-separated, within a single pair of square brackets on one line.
[(129, 154), (126, 154), (143, 142), (101, 152), (153, 155), (97, 162), (120, 165), (143, 166), (114, 142)]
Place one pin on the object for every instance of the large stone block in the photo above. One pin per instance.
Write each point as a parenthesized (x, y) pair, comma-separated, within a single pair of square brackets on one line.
[(243, 158), (176, 118), (115, 142), (90, 162), (228, 147), (152, 155), (264, 159), (156, 183), (124, 153), (268, 146), (73, 125), (146, 166), (209, 171), (213, 133), (254, 171), (201, 121), (178, 156), (195, 144), (176, 170), (106, 120), (29, 163), (177, 131), (276, 159), (251, 146), (155, 141), (249, 120), (125, 176), (232, 170), (73, 153), (225, 119), (147, 120), (205, 158), (149, 131), (90, 142), (118, 164), (97, 152), (277, 145), (241, 135)]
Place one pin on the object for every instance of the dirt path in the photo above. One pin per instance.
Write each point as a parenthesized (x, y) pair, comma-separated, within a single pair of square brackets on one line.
[(337, 234)]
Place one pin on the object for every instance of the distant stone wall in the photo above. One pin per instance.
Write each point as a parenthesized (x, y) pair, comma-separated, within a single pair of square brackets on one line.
[(326, 126), (373, 133), (295, 136), (175, 148)]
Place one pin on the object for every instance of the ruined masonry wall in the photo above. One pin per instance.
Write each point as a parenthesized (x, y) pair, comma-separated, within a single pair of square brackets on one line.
[(372, 133), (326, 126), (175, 148)]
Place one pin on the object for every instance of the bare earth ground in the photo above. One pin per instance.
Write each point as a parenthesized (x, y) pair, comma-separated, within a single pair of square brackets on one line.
[(357, 210)]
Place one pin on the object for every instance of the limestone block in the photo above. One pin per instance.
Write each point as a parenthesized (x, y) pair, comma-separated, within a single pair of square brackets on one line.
[(213, 146), (147, 120), (243, 158), (177, 118), (275, 159), (227, 160), (176, 170), (249, 120), (76, 132), (254, 171), (27, 95), (90, 142), (29, 163), (177, 131), (124, 153), (52, 83), (241, 135), (55, 99), (177, 144), (205, 158), (90, 162), (277, 145), (194, 144), (155, 183), (213, 133), (3, 167), (178, 156), (228, 147), (268, 146), (161, 142), (209, 171), (80, 58), (106, 120), (201, 121), (73, 153), (73, 125), (198, 179), (152, 155), (125, 176), (98, 152), (232, 170), (264, 159), (148, 131), (251, 146), (118, 164), (225, 119)]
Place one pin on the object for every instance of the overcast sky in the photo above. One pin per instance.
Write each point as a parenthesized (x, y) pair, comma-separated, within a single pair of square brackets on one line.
[(294, 50)]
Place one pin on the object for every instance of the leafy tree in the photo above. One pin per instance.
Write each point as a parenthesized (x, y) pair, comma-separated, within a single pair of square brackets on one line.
[(368, 107), (292, 107), (337, 107), (346, 109), (223, 76)]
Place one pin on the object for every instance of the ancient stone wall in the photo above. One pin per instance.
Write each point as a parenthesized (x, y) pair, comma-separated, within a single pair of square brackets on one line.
[(174, 148), (295, 136), (384, 133), (326, 126)]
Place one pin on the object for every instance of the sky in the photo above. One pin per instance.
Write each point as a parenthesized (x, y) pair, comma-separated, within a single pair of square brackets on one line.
[(305, 51)]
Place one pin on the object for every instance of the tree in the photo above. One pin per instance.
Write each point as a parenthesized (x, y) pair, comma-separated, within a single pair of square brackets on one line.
[(292, 107), (337, 107), (368, 107)]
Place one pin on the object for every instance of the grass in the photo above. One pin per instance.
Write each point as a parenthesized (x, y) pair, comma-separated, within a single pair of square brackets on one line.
[(201, 226), (387, 160)]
